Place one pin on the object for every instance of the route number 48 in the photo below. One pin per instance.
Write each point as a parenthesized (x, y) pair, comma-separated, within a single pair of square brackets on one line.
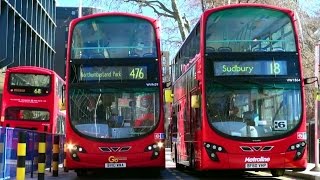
[(37, 91)]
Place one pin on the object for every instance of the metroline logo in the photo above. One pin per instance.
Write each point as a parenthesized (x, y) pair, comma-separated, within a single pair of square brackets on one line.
[(259, 159)]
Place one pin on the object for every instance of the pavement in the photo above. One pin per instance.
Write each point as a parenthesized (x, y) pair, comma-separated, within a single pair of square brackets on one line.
[(307, 174), (310, 173)]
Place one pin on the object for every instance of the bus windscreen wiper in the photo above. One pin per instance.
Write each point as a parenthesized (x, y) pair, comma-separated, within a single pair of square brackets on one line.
[(262, 84), (96, 86), (222, 84)]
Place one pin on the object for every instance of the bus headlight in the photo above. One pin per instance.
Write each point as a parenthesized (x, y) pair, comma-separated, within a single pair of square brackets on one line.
[(69, 146), (155, 148), (75, 156), (160, 144), (213, 149), (299, 147), (74, 150)]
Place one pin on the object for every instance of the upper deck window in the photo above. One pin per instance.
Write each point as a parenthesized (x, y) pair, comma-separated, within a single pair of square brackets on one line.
[(29, 80), (250, 29), (113, 37)]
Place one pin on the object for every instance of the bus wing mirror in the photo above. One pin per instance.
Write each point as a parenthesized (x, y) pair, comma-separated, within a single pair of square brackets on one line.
[(168, 96), (166, 84), (310, 80), (62, 105), (195, 101)]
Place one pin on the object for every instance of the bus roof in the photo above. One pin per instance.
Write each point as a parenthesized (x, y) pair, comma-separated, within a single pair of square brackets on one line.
[(30, 68), (285, 10), (75, 21)]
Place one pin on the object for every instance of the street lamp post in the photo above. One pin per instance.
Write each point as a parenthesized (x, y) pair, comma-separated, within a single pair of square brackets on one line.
[(316, 106), (80, 9)]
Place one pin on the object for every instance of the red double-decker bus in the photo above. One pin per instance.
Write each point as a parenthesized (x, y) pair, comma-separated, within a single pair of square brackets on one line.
[(32, 99), (239, 101), (114, 93)]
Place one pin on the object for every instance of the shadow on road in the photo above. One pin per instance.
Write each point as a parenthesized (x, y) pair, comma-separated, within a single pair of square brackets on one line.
[(122, 174)]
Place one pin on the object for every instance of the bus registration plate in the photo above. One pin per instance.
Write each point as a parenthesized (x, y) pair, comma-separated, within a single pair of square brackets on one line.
[(256, 165), (115, 165)]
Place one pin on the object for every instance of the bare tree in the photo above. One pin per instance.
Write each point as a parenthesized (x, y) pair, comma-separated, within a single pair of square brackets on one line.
[(177, 17), (161, 9)]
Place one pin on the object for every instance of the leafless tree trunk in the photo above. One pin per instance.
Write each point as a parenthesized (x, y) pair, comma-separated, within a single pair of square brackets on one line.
[(171, 12)]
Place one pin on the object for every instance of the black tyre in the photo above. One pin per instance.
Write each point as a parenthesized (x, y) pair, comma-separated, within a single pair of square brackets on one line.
[(81, 172), (192, 160), (178, 166), (277, 172)]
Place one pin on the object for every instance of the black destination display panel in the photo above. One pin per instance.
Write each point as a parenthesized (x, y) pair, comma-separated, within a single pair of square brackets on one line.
[(103, 73), (247, 68)]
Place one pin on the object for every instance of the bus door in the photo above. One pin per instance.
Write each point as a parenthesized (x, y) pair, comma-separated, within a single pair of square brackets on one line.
[(195, 121), (183, 130)]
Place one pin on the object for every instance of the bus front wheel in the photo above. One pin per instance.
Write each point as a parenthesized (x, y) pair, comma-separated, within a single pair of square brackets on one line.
[(277, 172), (192, 159), (81, 172), (178, 166)]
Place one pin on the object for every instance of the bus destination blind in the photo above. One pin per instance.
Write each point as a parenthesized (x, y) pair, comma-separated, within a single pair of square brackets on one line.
[(238, 68), (101, 73)]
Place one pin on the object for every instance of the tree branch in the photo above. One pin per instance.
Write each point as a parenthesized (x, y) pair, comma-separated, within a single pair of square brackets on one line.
[(152, 4), (161, 14)]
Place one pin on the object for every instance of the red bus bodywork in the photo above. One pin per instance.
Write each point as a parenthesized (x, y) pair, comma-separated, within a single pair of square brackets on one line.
[(203, 145), (41, 100), (86, 151)]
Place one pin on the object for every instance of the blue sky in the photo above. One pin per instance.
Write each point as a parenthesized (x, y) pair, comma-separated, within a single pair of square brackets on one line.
[(112, 6), (311, 6), (308, 5), (67, 3)]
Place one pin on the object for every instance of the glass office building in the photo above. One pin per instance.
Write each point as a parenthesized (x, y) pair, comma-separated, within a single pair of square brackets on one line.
[(64, 17), (27, 33)]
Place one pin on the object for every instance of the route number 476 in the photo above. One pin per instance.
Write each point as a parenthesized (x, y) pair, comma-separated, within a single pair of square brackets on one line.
[(137, 73)]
